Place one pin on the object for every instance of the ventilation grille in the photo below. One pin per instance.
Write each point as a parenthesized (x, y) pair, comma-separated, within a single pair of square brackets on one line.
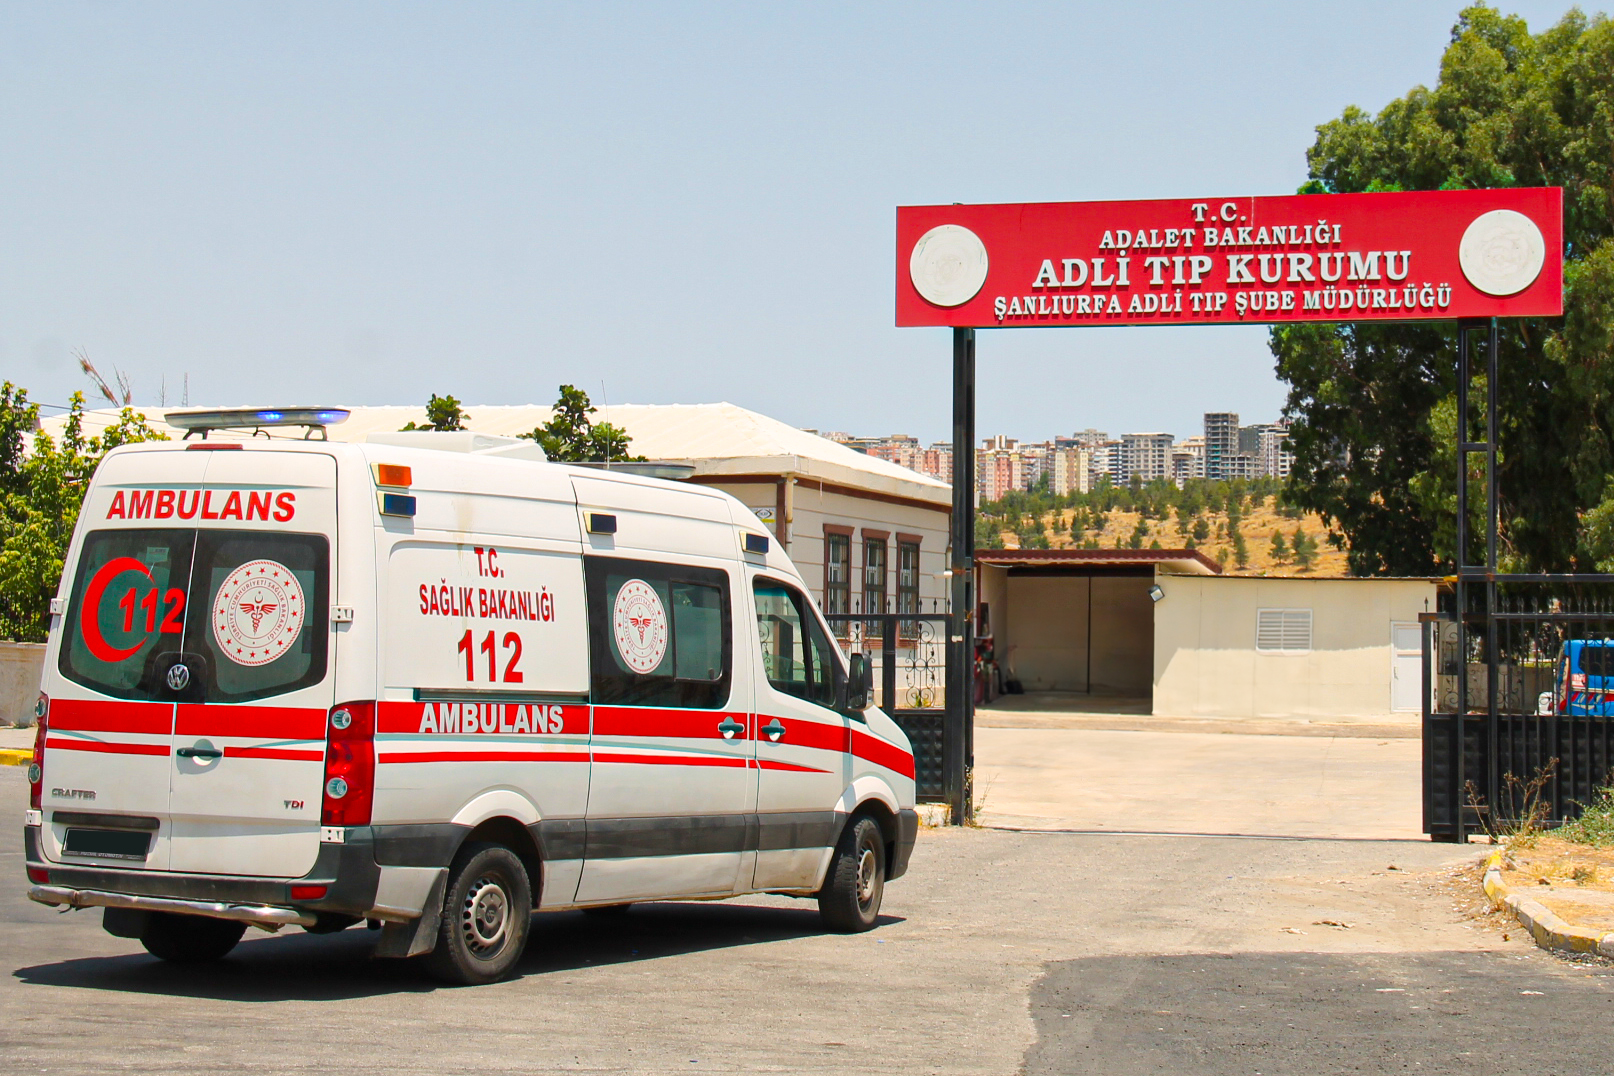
[(1283, 631)]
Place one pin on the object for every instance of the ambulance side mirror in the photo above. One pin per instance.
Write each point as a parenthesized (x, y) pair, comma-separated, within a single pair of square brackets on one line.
[(859, 684)]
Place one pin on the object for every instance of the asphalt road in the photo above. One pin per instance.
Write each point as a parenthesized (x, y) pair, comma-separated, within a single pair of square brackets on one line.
[(1000, 953)]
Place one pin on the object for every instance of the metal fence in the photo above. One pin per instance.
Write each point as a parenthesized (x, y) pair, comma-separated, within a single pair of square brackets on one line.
[(908, 653), (1502, 708)]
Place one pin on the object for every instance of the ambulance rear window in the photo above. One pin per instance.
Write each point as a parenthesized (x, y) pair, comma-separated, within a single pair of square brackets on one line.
[(127, 610), (240, 609)]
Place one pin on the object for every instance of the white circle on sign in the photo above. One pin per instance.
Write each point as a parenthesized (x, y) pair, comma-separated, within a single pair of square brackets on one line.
[(639, 622), (1502, 252), (948, 265), (258, 612)]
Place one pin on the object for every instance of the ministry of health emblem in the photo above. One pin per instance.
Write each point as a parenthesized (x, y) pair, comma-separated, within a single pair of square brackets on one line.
[(258, 612)]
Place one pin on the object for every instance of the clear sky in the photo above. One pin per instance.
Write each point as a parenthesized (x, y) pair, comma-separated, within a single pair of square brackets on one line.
[(661, 203)]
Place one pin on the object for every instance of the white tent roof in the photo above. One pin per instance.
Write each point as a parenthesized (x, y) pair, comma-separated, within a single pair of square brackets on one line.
[(718, 439)]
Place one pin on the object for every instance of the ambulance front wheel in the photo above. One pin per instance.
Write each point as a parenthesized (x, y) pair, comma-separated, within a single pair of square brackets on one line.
[(189, 939), (850, 899), (487, 910)]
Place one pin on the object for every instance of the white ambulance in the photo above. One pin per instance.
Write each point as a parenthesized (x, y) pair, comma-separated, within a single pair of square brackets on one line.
[(432, 682)]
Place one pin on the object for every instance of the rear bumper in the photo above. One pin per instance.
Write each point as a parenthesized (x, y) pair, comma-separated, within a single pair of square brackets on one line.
[(348, 872), (256, 914)]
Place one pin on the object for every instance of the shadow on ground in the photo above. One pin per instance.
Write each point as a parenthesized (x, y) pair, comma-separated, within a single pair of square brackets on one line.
[(1443, 1012), (333, 967)]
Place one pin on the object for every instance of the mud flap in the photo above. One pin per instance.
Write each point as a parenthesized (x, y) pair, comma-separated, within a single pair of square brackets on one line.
[(416, 937), (125, 922)]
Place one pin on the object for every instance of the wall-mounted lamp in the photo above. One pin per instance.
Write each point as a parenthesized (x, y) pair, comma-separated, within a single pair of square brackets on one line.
[(1155, 593)]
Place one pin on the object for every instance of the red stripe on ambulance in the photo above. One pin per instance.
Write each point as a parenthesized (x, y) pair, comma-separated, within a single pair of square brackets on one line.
[(101, 715)]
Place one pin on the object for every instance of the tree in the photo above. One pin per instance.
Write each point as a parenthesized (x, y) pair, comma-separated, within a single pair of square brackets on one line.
[(570, 436), (1280, 548), (1373, 418), (40, 497), (1202, 531), (1241, 551), (1305, 547), (987, 533), (1139, 533), (443, 414)]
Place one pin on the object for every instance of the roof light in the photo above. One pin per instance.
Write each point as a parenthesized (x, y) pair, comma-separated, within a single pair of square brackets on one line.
[(394, 474), (256, 418)]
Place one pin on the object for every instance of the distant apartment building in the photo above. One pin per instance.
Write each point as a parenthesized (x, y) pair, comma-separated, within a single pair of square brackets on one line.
[(1232, 451), (901, 449), (1188, 460), (1144, 455), (1221, 443)]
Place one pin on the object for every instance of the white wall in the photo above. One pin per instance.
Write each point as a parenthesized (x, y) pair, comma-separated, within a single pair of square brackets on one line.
[(20, 668), (1206, 663)]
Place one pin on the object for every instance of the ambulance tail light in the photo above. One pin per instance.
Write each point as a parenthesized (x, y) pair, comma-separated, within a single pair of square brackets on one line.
[(349, 765), (36, 768)]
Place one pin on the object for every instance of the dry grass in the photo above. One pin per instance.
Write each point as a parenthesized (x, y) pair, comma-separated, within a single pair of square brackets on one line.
[(1257, 526)]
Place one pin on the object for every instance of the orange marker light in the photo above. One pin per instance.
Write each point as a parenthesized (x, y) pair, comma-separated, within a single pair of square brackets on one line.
[(391, 474)]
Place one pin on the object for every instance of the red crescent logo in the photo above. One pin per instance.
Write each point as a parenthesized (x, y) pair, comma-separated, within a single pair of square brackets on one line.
[(90, 613)]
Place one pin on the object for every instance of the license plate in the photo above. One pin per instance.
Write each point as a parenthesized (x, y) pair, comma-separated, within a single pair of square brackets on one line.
[(107, 843)]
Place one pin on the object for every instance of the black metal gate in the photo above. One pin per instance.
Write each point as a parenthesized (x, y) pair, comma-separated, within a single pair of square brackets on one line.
[(908, 652), (1504, 720)]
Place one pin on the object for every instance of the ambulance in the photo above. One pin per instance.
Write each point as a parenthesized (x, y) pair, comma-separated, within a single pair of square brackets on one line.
[(433, 683)]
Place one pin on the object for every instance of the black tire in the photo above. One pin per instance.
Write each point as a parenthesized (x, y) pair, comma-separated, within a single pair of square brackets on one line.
[(609, 911), (850, 899), (190, 939), (487, 911)]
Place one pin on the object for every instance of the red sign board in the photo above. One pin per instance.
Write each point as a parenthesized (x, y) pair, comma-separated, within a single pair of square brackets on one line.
[(1417, 255)]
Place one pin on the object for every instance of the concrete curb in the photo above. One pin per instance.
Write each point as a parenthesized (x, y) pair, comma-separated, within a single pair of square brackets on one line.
[(1548, 930), (15, 757)]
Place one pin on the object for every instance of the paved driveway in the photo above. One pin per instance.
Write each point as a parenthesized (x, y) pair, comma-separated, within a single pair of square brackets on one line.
[(1001, 952), (1313, 785)]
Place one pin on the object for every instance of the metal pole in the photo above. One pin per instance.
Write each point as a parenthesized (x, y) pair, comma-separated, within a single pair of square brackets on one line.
[(959, 732), (1460, 595), (1493, 761)]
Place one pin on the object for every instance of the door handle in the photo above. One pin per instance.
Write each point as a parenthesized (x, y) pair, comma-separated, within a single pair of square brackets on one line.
[(774, 730), (730, 728), (199, 752)]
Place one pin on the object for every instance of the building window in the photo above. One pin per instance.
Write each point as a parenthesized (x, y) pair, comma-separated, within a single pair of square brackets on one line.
[(838, 578), (1283, 631), (907, 585), (875, 572)]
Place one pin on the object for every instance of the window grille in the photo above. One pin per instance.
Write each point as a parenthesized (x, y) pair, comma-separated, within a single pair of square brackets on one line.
[(1283, 631)]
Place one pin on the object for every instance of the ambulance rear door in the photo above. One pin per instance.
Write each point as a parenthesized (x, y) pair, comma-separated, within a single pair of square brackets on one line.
[(249, 730)]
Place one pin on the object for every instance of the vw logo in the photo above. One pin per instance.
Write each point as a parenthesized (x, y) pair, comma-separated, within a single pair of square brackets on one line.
[(179, 676)]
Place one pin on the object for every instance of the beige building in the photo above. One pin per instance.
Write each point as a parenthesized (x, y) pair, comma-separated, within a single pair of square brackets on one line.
[(1164, 626), (1250, 647), (1076, 620)]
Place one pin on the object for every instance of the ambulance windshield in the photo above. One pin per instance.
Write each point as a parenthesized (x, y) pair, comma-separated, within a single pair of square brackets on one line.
[(241, 610)]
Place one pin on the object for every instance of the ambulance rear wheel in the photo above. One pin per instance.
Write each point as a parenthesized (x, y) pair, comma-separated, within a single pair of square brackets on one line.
[(487, 911), (189, 939), (850, 899)]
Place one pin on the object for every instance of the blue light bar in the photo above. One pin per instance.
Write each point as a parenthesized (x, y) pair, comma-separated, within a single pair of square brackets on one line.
[(397, 504), (252, 418)]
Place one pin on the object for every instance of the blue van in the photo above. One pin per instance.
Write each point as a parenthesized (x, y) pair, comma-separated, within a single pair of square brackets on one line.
[(1585, 678)]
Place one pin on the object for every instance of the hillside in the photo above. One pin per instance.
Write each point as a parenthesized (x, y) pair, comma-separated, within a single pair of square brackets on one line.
[(1260, 519)]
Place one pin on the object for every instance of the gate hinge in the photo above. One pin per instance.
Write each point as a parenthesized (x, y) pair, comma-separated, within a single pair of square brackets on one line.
[(341, 614), (332, 835)]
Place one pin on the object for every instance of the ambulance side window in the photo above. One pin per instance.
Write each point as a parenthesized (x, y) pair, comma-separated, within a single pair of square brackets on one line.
[(796, 655), (658, 634)]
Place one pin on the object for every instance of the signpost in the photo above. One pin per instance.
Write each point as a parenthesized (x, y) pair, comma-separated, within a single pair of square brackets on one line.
[(1404, 256)]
